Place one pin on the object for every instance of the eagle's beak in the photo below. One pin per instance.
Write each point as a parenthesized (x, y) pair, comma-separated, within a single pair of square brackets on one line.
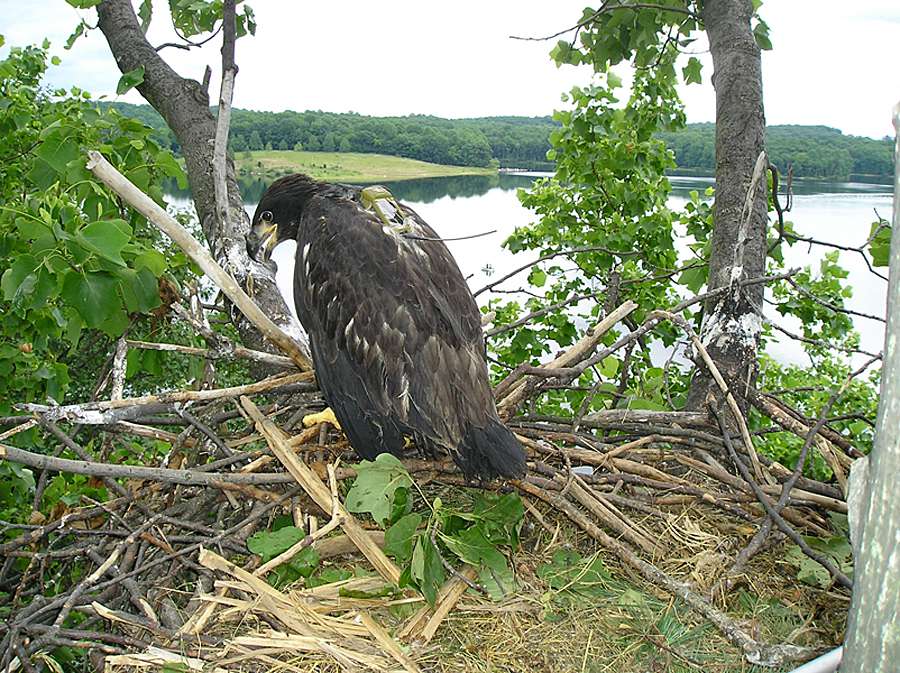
[(262, 239)]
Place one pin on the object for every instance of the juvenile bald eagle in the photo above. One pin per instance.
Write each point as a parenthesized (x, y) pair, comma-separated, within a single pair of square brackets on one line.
[(394, 331)]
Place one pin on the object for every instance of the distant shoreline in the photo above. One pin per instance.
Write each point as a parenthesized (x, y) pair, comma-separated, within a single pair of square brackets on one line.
[(345, 166)]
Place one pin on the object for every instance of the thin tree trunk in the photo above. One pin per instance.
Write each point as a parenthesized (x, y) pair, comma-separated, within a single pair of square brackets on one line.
[(184, 104), (731, 325), (873, 631)]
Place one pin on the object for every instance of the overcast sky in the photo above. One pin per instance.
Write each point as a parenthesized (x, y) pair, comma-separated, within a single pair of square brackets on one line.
[(834, 63)]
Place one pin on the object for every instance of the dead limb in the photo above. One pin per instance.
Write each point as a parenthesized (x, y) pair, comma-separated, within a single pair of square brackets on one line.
[(106, 173), (92, 413)]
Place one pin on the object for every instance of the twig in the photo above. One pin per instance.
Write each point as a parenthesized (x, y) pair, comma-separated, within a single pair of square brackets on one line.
[(729, 397), (229, 350), (783, 525), (92, 413), (336, 520), (756, 543), (161, 474), (319, 492)]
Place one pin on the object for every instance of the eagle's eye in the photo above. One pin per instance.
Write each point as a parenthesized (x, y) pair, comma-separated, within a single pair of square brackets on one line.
[(266, 216)]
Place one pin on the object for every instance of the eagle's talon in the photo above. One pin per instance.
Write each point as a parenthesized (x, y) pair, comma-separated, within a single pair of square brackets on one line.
[(326, 416)]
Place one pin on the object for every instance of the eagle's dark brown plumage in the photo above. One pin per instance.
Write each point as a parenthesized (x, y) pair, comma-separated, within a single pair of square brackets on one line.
[(394, 330)]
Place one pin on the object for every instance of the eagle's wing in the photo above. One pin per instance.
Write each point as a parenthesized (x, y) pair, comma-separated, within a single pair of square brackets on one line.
[(396, 334)]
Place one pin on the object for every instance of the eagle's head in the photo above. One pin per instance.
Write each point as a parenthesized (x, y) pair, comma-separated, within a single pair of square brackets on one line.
[(278, 214)]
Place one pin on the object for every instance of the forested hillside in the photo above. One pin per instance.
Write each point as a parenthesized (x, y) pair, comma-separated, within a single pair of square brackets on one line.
[(522, 142), (512, 141), (814, 151)]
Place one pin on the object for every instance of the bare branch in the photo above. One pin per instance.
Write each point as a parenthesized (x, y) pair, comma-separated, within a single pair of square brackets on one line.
[(105, 172)]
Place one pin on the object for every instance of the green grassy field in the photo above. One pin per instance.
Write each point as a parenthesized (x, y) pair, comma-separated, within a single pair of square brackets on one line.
[(345, 166)]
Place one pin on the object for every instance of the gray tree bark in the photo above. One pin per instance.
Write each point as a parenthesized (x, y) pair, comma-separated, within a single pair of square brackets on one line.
[(872, 644), (731, 326), (184, 104)]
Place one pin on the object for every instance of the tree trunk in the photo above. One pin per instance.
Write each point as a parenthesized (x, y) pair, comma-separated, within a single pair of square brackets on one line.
[(873, 630), (184, 104), (731, 325)]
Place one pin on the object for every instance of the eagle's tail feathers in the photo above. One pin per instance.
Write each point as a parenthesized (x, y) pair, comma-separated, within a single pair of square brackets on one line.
[(491, 451)]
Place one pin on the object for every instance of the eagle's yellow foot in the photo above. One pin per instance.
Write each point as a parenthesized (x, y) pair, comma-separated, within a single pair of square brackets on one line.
[(326, 416)]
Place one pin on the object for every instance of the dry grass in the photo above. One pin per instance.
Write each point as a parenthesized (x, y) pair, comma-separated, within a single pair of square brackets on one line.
[(590, 616), (624, 625)]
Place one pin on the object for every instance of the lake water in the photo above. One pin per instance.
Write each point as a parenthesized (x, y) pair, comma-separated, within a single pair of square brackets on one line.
[(838, 212)]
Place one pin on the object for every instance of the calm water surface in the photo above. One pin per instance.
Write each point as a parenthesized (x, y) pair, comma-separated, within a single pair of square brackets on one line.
[(839, 212)]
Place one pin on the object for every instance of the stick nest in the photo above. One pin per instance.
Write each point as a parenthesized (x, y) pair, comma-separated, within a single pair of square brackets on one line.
[(652, 541)]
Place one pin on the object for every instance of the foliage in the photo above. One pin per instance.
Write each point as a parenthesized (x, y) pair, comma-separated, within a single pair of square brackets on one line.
[(73, 257), (807, 389), (271, 543), (520, 142), (835, 548), (568, 573), (880, 242), (78, 269), (473, 535), (190, 18), (381, 487), (609, 195), (464, 142)]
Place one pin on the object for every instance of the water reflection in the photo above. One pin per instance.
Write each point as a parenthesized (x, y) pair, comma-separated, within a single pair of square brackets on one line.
[(422, 190), (429, 190)]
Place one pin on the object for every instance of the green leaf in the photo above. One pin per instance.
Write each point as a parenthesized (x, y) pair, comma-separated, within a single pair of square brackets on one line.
[(568, 571), (880, 243), (269, 544), (402, 504), (130, 80), (106, 238), (78, 32), (84, 4), (375, 484), (691, 71), (42, 174), (151, 260), (169, 164), (306, 561), (13, 280), (93, 295), (329, 576), (426, 568), (563, 54), (472, 547), (58, 148), (761, 35), (537, 277), (499, 582), (145, 13), (609, 367), (398, 539), (500, 516), (140, 290)]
